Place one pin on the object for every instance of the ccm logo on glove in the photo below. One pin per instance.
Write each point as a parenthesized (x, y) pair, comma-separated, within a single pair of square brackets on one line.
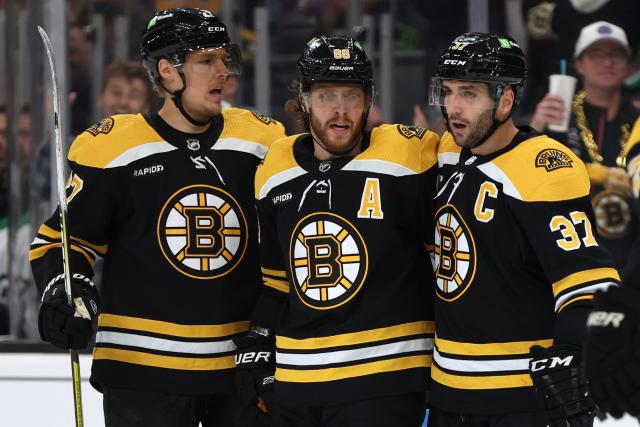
[(551, 363)]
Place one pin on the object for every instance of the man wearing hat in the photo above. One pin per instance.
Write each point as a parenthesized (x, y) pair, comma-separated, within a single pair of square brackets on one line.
[(599, 128)]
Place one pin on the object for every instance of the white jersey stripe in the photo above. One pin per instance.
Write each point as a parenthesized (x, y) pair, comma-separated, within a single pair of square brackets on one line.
[(470, 366), (140, 152), (280, 178), (378, 166), (342, 356), (587, 290), (243, 145), (163, 344), (495, 173)]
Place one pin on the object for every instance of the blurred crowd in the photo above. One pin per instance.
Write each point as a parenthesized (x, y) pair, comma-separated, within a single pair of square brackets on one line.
[(596, 41)]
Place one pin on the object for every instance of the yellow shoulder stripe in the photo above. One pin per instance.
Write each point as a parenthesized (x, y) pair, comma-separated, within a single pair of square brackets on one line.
[(413, 148), (279, 159), (98, 149), (540, 169), (250, 126)]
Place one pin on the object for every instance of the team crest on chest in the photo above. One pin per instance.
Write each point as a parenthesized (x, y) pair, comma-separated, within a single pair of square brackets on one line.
[(202, 231), (103, 126), (411, 131), (329, 260), (552, 159), (454, 254)]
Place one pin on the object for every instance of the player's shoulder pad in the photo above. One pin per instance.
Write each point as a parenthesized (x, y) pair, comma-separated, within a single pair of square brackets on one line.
[(277, 166), (540, 169), (408, 148), (448, 150), (632, 147), (115, 141), (245, 125)]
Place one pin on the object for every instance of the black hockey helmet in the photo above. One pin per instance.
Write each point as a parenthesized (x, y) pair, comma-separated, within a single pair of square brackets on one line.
[(339, 59), (172, 33), (494, 59)]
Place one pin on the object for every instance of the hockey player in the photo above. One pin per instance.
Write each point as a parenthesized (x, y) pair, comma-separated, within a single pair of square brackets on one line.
[(167, 200), (344, 220), (613, 348), (516, 260)]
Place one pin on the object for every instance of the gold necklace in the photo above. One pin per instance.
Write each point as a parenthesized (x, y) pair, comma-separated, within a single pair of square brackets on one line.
[(587, 135)]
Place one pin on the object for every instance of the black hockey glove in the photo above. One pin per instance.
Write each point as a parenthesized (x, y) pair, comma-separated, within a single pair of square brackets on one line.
[(255, 368), (64, 326), (561, 386), (613, 351)]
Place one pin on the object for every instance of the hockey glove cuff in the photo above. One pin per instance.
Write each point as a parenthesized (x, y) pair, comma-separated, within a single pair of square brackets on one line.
[(65, 326), (613, 351), (255, 363), (561, 386)]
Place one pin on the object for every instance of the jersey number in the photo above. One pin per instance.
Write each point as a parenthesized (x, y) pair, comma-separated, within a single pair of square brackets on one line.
[(570, 240)]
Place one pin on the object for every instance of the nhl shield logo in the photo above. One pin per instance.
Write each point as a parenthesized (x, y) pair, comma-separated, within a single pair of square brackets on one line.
[(193, 144), (328, 260), (324, 166), (202, 232)]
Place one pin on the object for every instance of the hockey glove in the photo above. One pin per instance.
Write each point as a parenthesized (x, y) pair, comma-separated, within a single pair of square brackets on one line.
[(255, 368), (613, 351), (65, 326), (561, 386)]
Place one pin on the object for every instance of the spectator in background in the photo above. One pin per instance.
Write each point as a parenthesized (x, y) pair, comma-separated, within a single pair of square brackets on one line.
[(126, 89), (552, 28), (231, 92), (599, 128), (80, 45)]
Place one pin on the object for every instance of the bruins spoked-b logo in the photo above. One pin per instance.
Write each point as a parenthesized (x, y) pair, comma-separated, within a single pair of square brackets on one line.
[(202, 231), (329, 260), (613, 214), (455, 254)]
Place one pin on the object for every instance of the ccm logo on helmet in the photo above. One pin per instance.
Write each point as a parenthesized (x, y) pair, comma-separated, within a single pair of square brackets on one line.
[(215, 29), (252, 357), (454, 62), (541, 364)]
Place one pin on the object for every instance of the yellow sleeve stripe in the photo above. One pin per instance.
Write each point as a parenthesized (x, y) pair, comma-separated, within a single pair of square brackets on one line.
[(276, 273), (480, 382), (402, 330), (489, 349), (167, 362), (585, 276), (578, 298), (280, 285), (49, 232), (174, 329), (333, 374), (41, 250)]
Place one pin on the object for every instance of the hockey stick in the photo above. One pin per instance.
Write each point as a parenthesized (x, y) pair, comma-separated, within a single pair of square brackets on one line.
[(64, 231)]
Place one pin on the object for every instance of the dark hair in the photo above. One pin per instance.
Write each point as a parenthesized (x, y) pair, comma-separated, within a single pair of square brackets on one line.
[(130, 70)]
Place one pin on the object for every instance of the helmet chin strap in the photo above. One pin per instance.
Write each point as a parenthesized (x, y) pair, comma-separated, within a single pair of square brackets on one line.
[(176, 97)]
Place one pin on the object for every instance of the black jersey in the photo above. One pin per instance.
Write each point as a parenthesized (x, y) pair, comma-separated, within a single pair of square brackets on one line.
[(616, 215), (173, 216), (342, 244), (514, 250)]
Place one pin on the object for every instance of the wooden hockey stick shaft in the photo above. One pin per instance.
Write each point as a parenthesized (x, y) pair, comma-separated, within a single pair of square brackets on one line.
[(64, 219)]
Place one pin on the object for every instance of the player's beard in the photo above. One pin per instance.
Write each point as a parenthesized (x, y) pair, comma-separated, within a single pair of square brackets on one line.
[(476, 132), (322, 136)]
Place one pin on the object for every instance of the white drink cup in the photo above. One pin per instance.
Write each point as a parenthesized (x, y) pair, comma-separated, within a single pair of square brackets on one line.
[(564, 86)]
